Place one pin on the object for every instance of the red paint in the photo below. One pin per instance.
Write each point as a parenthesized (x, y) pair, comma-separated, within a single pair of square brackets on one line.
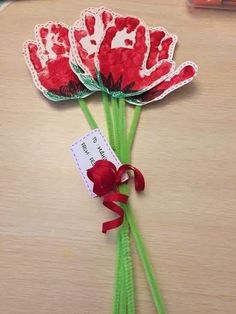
[(128, 42), (121, 68), (33, 52), (159, 47), (55, 75), (186, 73), (90, 24), (86, 58), (58, 78), (106, 17)]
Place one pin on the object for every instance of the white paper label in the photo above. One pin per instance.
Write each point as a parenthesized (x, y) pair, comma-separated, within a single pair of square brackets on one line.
[(87, 150)]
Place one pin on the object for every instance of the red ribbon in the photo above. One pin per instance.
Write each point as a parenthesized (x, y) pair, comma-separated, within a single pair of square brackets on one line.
[(106, 179)]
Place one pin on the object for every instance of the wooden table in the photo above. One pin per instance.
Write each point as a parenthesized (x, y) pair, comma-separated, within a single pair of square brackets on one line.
[(53, 258)]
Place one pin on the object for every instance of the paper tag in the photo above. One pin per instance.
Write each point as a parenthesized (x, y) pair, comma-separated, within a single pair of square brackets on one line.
[(87, 150)]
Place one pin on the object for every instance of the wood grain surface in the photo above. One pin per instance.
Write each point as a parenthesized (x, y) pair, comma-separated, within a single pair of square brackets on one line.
[(53, 257)]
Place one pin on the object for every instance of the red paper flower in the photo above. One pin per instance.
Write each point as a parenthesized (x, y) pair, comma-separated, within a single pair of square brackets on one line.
[(124, 57), (115, 53), (48, 61), (124, 62)]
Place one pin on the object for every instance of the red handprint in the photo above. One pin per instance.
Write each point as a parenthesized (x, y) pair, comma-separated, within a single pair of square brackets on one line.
[(123, 55), (48, 61)]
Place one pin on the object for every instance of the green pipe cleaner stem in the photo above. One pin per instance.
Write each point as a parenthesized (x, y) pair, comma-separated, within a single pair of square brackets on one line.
[(156, 294), (125, 236), (107, 110), (123, 297), (84, 107), (119, 295), (134, 127), (124, 267), (115, 111), (124, 154)]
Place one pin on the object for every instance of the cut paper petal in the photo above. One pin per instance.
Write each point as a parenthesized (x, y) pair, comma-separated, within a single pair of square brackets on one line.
[(162, 45), (122, 57), (53, 40), (85, 37), (182, 76), (48, 61)]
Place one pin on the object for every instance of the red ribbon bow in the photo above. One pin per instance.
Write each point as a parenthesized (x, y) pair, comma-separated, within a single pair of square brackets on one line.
[(106, 179)]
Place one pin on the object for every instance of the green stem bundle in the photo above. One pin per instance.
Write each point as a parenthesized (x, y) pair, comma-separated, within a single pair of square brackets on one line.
[(124, 297), (124, 301)]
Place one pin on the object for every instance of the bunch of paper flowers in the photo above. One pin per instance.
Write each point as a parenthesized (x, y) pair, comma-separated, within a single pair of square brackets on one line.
[(128, 62)]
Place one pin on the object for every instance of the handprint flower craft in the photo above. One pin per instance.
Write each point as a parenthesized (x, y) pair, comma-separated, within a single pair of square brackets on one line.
[(121, 65), (48, 61), (128, 62), (124, 57)]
